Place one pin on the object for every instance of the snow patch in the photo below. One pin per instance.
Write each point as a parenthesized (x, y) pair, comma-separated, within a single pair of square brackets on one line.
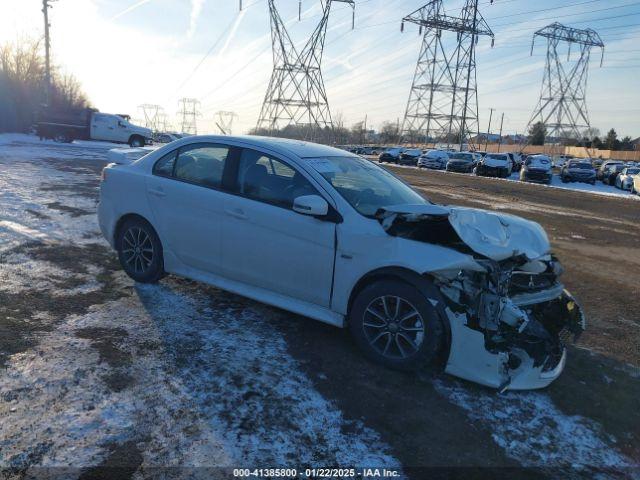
[(531, 429)]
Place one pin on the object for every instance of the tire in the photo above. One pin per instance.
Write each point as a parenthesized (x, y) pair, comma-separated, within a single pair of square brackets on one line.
[(137, 235), (408, 344), (136, 141), (62, 138)]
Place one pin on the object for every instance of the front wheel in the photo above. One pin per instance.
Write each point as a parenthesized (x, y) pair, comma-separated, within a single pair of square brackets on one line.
[(136, 141), (140, 251), (395, 325)]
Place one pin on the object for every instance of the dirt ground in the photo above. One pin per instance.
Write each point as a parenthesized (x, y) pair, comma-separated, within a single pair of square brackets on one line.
[(109, 379)]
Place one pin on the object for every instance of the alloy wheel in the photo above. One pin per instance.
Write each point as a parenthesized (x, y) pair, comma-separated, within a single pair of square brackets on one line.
[(137, 249), (393, 327)]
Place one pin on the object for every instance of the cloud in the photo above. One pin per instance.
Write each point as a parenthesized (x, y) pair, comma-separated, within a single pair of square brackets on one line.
[(196, 9), (232, 33)]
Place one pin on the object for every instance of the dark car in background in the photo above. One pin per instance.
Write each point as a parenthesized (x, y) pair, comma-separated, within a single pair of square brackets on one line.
[(462, 162), (578, 171), (537, 168), (611, 172), (390, 155), (603, 167), (410, 156)]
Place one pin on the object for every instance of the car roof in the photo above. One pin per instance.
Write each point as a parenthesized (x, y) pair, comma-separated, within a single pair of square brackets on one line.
[(283, 146)]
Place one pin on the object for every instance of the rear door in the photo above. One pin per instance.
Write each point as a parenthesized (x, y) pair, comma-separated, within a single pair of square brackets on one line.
[(187, 197), (268, 245)]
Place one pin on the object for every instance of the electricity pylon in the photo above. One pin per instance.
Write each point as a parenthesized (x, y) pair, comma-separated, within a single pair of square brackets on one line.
[(224, 121), (443, 102), (189, 113), (296, 94), (154, 117), (562, 106)]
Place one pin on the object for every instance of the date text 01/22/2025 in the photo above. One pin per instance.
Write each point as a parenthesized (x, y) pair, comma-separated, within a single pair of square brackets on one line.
[(316, 473)]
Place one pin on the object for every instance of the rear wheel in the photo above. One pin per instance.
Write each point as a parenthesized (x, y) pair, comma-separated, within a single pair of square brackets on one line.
[(140, 251), (395, 325)]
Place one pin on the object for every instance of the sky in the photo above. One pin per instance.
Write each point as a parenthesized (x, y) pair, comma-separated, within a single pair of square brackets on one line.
[(132, 52)]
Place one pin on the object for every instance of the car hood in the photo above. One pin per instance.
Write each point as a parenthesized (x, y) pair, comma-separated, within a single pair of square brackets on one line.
[(493, 235)]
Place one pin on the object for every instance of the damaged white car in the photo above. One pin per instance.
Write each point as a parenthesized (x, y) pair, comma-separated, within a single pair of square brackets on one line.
[(319, 232)]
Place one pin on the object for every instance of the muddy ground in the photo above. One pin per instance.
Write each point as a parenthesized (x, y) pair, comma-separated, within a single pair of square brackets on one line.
[(102, 377)]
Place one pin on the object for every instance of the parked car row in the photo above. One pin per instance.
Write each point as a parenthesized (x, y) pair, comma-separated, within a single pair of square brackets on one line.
[(537, 168), (480, 163)]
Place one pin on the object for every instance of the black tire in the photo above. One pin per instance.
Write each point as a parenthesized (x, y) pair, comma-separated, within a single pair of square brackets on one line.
[(136, 141), (140, 251), (405, 349)]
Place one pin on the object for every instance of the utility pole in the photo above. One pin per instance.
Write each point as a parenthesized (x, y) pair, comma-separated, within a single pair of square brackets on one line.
[(500, 139), (363, 134), (486, 140), (47, 49)]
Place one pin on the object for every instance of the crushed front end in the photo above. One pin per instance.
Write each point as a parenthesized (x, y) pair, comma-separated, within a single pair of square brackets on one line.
[(510, 326), (510, 317)]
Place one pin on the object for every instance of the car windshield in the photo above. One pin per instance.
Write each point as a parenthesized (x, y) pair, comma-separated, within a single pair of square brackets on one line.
[(538, 161), (364, 185), (496, 156), (461, 156), (413, 151), (632, 171)]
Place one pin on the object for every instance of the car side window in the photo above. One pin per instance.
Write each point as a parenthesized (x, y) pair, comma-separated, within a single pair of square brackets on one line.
[(267, 179), (202, 164), (164, 166)]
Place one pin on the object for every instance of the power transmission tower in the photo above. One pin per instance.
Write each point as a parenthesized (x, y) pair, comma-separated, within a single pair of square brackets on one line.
[(296, 94), (189, 113), (154, 117), (224, 121), (562, 106), (443, 102), (46, 5)]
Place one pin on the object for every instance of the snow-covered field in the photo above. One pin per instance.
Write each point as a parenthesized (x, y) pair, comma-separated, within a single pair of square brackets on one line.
[(181, 375)]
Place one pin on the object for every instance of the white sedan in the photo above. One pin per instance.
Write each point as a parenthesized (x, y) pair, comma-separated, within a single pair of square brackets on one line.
[(327, 234)]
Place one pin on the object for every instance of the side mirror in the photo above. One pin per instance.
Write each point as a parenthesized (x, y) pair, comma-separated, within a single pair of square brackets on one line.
[(313, 205)]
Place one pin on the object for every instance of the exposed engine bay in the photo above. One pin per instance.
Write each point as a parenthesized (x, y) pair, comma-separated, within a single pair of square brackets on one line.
[(511, 301)]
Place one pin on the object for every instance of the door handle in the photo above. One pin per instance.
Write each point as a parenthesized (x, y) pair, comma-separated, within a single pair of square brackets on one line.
[(157, 192), (236, 213)]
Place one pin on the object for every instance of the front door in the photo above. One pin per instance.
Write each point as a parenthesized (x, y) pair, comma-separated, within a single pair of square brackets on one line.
[(265, 243)]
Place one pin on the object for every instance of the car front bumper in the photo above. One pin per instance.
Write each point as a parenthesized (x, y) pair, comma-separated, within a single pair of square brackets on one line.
[(492, 171), (433, 165), (459, 167), (470, 359), (542, 177)]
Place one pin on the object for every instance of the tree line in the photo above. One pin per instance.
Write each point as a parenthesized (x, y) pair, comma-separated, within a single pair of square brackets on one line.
[(23, 84), (590, 139)]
